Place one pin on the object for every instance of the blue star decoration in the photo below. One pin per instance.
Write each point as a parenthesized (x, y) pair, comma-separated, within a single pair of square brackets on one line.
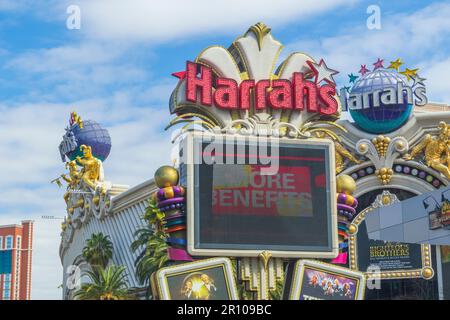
[(347, 89), (352, 77)]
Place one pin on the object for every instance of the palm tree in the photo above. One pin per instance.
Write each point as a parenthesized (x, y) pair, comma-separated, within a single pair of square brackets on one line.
[(152, 257), (105, 284), (151, 240), (98, 250)]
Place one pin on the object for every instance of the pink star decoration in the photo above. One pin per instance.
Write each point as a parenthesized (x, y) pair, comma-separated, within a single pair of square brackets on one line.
[(363, 69), (378, 64)]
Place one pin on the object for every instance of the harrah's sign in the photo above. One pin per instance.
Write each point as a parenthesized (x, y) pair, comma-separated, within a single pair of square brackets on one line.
[(296, 94)]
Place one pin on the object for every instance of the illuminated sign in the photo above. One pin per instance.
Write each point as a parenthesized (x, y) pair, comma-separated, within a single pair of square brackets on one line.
[(298, 93), (381, 100), (223, 85), (399, 94)]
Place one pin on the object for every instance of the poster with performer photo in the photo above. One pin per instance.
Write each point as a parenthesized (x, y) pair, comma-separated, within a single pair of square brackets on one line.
[(314, 280), (209, 279)]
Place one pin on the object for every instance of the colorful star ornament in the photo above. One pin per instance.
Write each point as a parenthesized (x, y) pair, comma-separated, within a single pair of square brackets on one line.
[(180, 75), (363, 70), (410, 73), (418, 80), (352, 78), (322, 71), (378, 64), (395, 64)]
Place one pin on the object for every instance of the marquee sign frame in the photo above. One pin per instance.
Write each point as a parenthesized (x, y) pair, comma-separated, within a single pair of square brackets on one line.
[(160, 277), (426, 271), (299, 276), (191, 224)]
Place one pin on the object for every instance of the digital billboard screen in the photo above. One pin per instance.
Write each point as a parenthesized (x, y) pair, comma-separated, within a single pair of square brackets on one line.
[(243, 200)]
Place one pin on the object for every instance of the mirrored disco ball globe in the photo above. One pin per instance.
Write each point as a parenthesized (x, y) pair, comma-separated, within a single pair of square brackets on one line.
[(385, 118), (94, 135)]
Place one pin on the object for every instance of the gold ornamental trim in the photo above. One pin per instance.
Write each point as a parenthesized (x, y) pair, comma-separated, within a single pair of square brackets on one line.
[(425, 272), (260, 30)]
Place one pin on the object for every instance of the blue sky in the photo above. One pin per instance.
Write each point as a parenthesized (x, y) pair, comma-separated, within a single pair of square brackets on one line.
[(116, 70)]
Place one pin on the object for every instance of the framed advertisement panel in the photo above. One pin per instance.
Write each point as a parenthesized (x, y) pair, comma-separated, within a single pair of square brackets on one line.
[(385, 259), (314, 280), (244, 200), (209, 279)]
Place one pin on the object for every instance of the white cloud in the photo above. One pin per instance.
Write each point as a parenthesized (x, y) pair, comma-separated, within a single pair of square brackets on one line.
[(11, 5), (437, 73), (76, 70), (410, 37), (177, 19), (60, 59)]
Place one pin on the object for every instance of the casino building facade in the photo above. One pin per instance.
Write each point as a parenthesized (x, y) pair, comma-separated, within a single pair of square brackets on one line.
[(385, 150)]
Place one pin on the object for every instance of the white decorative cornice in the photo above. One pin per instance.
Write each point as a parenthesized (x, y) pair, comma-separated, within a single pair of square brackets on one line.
[(101, 204)]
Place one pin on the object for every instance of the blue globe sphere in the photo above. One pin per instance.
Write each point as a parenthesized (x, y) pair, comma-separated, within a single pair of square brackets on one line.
[(94, 135), (384, 118)]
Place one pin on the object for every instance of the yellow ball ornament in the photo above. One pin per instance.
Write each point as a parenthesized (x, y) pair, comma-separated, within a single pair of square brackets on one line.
[(166, 176), (345, 184)]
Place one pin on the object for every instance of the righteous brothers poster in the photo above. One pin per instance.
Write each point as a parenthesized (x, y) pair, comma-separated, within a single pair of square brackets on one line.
[(388, 256)]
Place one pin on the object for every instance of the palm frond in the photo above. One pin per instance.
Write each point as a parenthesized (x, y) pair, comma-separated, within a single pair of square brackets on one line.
[(105, 284)]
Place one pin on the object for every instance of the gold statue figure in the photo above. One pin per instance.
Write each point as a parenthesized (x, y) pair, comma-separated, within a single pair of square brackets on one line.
[(90, 174), (436, 149), (72, 180), (341, 154), (77, 119)]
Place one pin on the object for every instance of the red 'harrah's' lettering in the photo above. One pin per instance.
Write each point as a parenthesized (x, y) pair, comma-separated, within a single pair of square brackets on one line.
[(298, 94)]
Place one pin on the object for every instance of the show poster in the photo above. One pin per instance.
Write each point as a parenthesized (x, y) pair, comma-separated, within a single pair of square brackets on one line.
[(320, 281), (209, 279), (388, 256), (321, 285), (209, 284)]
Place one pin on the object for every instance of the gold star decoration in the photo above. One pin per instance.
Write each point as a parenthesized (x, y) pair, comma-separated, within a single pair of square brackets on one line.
[(395, 64), (410, 73)]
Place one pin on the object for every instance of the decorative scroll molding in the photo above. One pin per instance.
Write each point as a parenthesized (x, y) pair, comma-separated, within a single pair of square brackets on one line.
[(385, 199), (84, 204), (262, 124), (383, 151)]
